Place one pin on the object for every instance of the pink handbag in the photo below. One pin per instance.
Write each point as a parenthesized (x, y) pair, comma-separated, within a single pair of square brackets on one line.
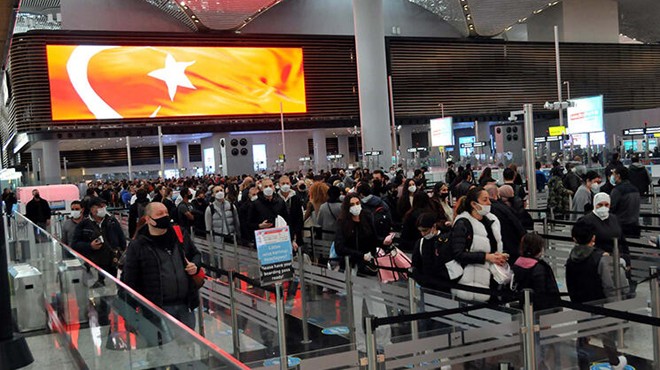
[(399, 260)]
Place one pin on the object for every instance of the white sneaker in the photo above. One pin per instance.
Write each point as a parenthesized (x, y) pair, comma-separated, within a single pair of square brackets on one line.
[(623, 362)]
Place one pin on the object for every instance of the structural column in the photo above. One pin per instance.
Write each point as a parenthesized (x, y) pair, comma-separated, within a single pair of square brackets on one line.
[(372, 77), (51, 170), (405, 140), (183, 158), (343, 147), (320, 150)]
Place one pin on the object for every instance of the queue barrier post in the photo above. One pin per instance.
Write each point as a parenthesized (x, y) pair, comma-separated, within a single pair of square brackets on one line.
[(370, 340), (210, 238), (349, 300), (238, 261), (654, 206), (303, 296), (412, 302), (529, 331), (235, 333), (655, 312), (616, 266), (281, 329), (200, 316)]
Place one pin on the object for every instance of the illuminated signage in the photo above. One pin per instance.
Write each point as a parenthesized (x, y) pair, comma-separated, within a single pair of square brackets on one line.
[(585, 115), (477, 144), (417, 150), (373, 153), (92, 82), (442, 133)]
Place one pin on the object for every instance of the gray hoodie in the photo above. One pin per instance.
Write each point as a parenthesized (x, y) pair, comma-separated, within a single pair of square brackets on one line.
[(579, 253)]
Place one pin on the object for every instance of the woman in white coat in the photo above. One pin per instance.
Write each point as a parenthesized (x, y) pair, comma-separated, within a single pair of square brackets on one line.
[(476, 244)]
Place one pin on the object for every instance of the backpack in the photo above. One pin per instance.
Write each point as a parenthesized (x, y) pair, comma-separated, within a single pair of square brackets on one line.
[(382, 221)]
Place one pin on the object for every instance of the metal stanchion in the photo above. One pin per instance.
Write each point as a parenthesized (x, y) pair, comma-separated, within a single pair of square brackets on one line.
[(616, 266), (349, 301), (238, 260), (370, 340), (235, 333), (552, 217), (529, 331), (303, 296), (281, 330), (412, 302), (654, 206), (655, 312), (212, 249), (200, 316)]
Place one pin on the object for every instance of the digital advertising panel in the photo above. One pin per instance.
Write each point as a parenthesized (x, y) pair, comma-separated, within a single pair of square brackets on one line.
[(94, 82), (586, 115), (442, 132)]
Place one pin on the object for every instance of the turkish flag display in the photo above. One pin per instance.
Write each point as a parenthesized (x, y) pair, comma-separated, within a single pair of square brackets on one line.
[(94, 82)]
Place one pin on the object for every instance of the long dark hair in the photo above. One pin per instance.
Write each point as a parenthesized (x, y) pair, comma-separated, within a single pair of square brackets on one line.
[(471, 196), (345, 219), (420, 201)]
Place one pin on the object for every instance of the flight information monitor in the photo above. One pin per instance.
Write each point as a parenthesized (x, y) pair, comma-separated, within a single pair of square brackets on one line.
[(586, 115), (97, 82), (442, 133)]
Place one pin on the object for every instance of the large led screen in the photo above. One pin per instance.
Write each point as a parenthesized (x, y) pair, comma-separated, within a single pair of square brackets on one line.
[(442, 133), (91, 82), (586, 115)]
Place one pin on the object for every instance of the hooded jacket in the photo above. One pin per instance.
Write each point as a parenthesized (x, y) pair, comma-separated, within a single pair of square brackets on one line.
[(639, 176), (588, 275), (625, 205), (536, 274)]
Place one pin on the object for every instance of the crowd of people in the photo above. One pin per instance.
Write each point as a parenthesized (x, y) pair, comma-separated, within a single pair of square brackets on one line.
[(464, 230)]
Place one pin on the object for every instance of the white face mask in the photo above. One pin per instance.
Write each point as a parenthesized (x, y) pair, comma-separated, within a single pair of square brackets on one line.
[(485, 209), (268, 192), (429, 236), (595, 187), (75, 214), (603, 213), (412, 188), (254, 197), (101, 212), (355, 210), (220, 195), (285, 188)]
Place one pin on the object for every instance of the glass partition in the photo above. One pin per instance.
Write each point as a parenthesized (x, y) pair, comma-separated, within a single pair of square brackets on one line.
[(96, 326)]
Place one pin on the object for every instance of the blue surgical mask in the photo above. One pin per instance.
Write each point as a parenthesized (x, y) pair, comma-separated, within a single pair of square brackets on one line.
[(612, 180)]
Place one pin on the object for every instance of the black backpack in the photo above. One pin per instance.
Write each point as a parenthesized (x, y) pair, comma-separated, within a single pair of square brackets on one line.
[(382, 221)]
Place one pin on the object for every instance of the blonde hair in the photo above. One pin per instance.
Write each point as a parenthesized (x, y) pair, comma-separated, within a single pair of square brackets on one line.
[(318, 194)]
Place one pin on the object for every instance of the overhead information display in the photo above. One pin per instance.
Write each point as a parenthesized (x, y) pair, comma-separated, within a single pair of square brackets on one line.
[(586, 115), (442, 133), (93, 82)]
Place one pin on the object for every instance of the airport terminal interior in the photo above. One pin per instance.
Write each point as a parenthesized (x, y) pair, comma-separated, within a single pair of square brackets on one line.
[(330, 184)]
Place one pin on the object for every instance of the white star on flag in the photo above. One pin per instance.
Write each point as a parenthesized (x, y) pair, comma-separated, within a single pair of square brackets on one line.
[(174, 75)]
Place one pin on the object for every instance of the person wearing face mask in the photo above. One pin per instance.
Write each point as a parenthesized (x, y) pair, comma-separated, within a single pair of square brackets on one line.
[(264, 211), (440, 201), (136, 210), (625, 202), (221, 216), (251, 195), (356, 237), (159, 266), (583, 196), (430, 257), (410, 234), (409, 188), (38, 211), (294, 207), (514, 230), (100, 238), (476, 244), (606, 226), (199, 206), (69, 226)]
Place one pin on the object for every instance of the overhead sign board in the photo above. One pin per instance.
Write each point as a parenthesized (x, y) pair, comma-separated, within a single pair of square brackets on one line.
[(585, 115), (641, 131), (336, 156), (556, 130), (442, 133), (417, 150), (373, 153), (275, 254), (303, 159), (477, 144)]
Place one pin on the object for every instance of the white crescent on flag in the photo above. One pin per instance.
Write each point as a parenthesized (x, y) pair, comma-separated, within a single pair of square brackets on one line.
[(76, 68)]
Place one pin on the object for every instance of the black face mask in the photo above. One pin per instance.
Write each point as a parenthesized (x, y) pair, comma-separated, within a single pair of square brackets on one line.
[(444, 195), (163, 223)]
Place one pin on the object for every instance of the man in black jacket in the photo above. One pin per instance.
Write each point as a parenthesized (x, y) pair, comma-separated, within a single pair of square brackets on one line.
[(159, 266), (100, 238), (639, 175), (266, 208), (512, 229), (37, 210), (625, 202), (294, 208)]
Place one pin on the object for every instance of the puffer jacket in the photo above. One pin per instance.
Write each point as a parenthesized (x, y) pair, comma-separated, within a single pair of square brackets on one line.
[(536, 274), (222, 219), (470, 249)]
